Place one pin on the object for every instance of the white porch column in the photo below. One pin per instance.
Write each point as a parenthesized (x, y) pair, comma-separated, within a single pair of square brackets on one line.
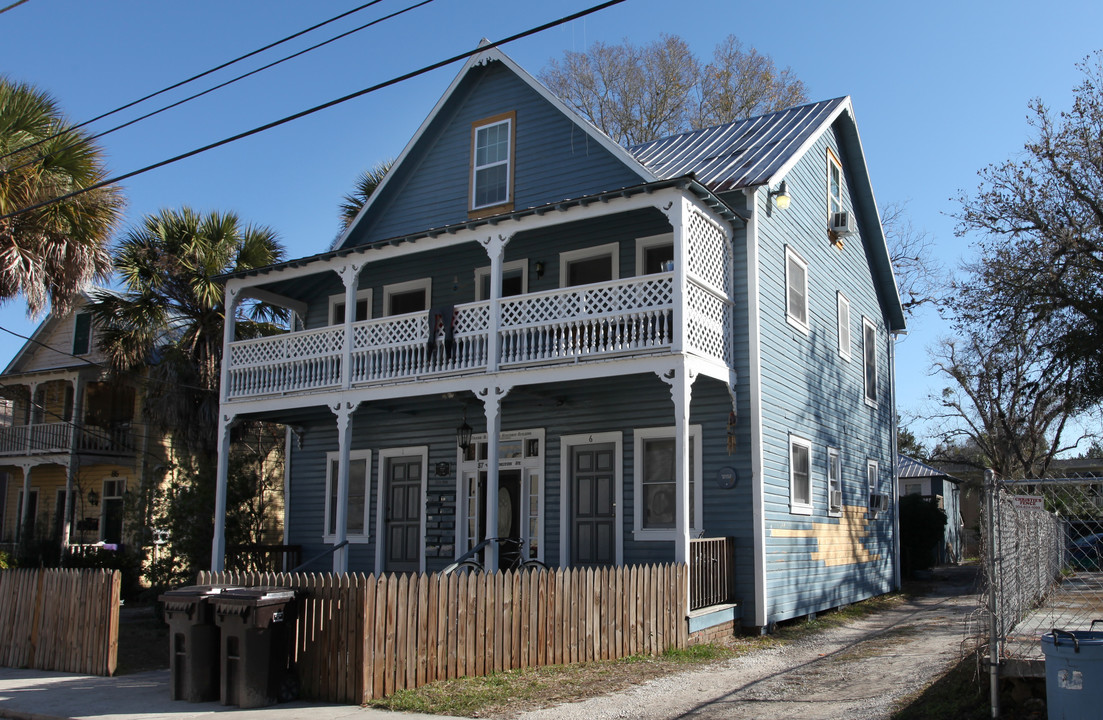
[(218, 544), (25, 510), (34, 414), (495, 247), (229, 332), (350, 275), (74, 462), (677, 214), (680, 380), (492, 407), (343, 411)]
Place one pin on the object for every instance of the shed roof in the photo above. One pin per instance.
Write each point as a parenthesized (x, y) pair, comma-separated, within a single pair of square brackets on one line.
[(912, 468)]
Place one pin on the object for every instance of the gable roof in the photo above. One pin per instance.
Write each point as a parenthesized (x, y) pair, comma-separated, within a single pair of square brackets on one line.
[(743, 153), (492, 54), (911, 468), (37, 342)]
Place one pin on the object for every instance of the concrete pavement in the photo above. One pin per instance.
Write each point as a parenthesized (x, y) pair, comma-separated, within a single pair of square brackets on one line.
[(41, 695)]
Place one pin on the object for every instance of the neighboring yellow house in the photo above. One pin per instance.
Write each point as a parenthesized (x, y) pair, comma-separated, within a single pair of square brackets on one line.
[(72, 444)]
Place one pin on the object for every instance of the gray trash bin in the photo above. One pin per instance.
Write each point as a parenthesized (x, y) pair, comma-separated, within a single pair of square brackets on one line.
[(1074, 673), (257, 627), (193, 642)]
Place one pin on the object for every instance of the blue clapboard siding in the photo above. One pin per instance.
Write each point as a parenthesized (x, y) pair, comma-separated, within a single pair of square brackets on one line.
[(808, 390), (555, 159), (594, 406)]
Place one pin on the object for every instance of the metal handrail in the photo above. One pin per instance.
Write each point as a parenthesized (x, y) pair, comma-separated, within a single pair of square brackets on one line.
[(319, 556)]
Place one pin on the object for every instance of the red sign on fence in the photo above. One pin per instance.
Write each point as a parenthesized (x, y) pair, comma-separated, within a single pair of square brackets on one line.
[(1028, 502)]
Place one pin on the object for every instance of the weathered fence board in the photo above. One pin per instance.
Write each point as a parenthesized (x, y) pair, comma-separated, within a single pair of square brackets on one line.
[(65, 620), (359, 638)]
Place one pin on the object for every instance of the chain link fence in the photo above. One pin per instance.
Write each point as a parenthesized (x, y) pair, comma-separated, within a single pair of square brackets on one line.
[(1042, 547)]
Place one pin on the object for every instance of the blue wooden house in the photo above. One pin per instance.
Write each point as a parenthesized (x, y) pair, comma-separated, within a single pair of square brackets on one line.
[(615, 356)]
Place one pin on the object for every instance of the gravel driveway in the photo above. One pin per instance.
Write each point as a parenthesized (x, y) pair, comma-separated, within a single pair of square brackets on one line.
[(855, 671)]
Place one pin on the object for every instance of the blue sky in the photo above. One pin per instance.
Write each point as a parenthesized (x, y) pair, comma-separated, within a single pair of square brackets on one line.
[(940, 89)]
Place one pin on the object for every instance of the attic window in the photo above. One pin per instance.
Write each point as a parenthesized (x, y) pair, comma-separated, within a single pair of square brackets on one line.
[(834, 185), (82, 333), (492, 163)]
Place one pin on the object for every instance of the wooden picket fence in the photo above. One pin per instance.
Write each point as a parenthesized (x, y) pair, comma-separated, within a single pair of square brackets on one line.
[(66, 620), (362, 637)]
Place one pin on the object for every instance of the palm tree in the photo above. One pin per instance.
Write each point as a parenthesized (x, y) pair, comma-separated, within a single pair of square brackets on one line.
[(366, 184), (51, 254)]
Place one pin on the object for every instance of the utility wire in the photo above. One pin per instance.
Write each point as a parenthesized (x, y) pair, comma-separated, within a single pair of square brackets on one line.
[(148, 115), (316, 108), (12, 6), (193, 78)]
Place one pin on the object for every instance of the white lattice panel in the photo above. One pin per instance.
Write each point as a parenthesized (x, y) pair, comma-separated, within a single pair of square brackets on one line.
[(599, 299), (709, 252), (708, 324), (471, 318), (400, 330)]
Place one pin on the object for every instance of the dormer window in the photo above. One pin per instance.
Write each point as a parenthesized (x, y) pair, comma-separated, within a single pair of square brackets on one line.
[(492, 162)]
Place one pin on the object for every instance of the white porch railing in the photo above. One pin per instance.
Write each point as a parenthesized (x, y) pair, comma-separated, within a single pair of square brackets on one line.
[(48, 437), (624, 317), (57, 437)]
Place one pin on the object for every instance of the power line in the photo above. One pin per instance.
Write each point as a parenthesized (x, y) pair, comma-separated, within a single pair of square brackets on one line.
[(12, 6), (316, 108), (193, 78), (199, 94)]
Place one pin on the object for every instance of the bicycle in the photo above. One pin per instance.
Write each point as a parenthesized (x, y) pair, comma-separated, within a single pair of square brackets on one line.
[(510, 547)]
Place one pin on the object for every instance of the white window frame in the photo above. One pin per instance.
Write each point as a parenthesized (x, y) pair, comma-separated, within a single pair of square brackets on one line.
[(393, 289), (868, 328), (696, 523), (834, 467), (802, 324), (843, 310), (644, 244), (566, 443), (833, 162), (509, 120), (484, 272), (796, 507), (338, 299), (872, 478), (380, 502), (335, 456), (570, 256)]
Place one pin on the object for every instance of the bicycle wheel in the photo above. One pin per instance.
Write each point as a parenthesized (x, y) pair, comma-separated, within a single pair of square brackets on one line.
[(533, 564), (467, 566)]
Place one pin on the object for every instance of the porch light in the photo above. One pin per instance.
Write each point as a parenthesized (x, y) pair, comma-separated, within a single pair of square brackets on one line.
[(93, 497), (539, 269), (463, 433), (781, 196)]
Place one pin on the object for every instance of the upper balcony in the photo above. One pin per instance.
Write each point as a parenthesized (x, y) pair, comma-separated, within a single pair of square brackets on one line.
[(685, 308), (58, 437)]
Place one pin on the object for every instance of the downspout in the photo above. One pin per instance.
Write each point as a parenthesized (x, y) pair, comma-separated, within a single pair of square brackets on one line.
[(895, 464), (754, 382)]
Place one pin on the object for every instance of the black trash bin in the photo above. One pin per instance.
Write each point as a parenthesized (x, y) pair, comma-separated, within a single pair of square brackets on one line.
[(257, 626), (193, 642)]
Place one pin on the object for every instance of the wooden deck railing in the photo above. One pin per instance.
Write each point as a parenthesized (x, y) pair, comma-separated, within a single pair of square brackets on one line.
[(361, 637), (712, 572), (66, 620)]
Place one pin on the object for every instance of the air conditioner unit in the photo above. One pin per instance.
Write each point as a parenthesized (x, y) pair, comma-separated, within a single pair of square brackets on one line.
[(878, 502), (836, 500), (843, 224)]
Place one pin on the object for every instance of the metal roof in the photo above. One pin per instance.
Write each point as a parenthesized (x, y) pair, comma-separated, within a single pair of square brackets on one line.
[(911, 468), (740, 154)]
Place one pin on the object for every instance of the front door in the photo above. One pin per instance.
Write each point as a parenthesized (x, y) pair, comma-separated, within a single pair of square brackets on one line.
[(509, 515), (593, 505), (402, 521)]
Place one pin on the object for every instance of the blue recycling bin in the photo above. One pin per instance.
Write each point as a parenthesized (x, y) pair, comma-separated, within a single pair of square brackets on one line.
[(1074, 673)]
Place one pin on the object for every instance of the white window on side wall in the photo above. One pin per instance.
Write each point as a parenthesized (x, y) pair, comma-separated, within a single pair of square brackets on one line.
[(844, 327), (869, 360), (871, 476), (834, 185), (337, 307), (407, 297), (515, 279), (359, 463), (834, 483), (796, 290), (655, 254), (589, 265), (492, 161), (655, 484), (800, 476)]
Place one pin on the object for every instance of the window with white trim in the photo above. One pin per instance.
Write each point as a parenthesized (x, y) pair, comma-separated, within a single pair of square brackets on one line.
[(796, 290), (871, 476), (82, 333), (800, 476), (337, 307), (407, 297), (869, 360), (589, 265), (492, 161), (844, 327), (655, 484), (834, 185), (357, 524), (655, 254), (515, 279), (834, 483)]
